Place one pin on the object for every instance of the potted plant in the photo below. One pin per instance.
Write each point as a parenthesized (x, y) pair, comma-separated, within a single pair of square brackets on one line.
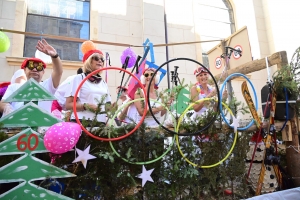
[(285, 87)]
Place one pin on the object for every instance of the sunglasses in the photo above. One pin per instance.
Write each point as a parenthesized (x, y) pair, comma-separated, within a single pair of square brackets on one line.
[(96, 58), (39, 67), (146, 74), (199, 71)]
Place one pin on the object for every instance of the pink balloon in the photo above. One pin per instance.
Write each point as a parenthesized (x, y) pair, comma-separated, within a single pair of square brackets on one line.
[(62, 137)]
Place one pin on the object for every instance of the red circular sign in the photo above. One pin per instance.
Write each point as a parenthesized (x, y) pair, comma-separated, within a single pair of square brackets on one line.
[(218, 63), (236, 55)]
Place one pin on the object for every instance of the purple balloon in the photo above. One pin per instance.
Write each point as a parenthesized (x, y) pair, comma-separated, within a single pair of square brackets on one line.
[(132, 59)]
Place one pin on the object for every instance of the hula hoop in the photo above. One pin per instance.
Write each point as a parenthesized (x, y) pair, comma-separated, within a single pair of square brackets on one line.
[(145, 162), (255, 96), (205, 166), (218, 93), (75, 100)]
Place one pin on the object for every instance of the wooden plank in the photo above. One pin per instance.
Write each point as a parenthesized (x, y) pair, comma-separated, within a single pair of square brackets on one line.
[(278, 58), (287, 132)]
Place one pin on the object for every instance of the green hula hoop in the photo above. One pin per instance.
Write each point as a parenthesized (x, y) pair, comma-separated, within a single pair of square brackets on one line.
[(145, 162), (177, 141)]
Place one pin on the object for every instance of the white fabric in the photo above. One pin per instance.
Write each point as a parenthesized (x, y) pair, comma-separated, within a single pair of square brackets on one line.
[(17, 74), (201, 111), (46, 105), (280, 195), (61, 90), (89, 93), (149, 121), (132, 113)]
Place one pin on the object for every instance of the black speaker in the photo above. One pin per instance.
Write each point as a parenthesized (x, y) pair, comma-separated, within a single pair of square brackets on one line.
[(280, 111)]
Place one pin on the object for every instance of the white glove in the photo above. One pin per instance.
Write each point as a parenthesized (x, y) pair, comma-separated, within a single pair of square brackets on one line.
[(7, 109)]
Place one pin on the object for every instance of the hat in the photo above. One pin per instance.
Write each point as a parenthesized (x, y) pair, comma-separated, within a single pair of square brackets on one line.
[(148, 69), (199, 70), (123, 88), (79, 70), (89, 53), (25, 62)]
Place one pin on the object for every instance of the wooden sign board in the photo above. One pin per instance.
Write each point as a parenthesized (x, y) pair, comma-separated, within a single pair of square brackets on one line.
[(238, 40), (287, 132)]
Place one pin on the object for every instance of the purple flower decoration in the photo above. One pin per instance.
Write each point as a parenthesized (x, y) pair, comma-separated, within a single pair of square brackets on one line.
[(128, 52), (2, 91)]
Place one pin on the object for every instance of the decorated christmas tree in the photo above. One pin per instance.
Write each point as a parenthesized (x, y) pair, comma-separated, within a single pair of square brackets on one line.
[(28, 169)]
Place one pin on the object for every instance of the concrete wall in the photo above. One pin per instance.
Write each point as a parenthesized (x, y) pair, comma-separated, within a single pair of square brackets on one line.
[(9, 12)]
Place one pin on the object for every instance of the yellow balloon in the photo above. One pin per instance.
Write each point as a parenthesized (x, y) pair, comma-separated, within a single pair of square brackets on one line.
[(4, 42)]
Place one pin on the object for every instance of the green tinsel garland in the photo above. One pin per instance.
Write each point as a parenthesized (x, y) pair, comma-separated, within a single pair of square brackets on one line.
[(109, 177)]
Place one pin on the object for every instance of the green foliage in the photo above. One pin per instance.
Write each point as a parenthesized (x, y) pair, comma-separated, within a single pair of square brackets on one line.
[(110, 177), (295, 65), (238, 107), (284, 78)]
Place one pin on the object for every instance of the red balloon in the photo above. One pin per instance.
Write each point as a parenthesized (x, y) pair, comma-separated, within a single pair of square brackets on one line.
[(87, 45)]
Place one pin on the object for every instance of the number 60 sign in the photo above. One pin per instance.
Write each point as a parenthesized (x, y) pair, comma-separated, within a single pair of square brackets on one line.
[(23, 144), (218, 63)]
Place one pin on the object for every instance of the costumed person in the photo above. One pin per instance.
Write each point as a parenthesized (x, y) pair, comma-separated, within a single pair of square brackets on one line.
[(18, 77), (157, 109), (93, 91), (35, 68), (202, 90), (59, 105), (129, 113)]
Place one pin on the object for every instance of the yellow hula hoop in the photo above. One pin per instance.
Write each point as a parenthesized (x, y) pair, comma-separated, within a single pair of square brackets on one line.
[(177, 140)]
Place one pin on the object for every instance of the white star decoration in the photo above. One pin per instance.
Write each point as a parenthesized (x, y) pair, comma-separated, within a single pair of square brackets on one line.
[(145, 175), (235, 123), (84, 156)]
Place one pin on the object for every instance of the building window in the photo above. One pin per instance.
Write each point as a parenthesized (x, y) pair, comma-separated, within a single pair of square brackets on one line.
[(69, 18), (214, 21)]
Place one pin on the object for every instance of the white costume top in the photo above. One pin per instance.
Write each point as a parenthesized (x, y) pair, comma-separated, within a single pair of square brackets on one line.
[(149, 121), (202, 95), (89, 93), (61, 90), (131, 116), (46, 105), (17, 74)]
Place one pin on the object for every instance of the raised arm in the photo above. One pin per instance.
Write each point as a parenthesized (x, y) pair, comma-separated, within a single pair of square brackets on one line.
[(79, 106), (44, 47), (195, 97), (122, 115), (140, 106)]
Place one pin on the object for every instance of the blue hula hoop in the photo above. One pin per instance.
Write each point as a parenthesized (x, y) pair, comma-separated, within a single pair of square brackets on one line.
[(220, 102)]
